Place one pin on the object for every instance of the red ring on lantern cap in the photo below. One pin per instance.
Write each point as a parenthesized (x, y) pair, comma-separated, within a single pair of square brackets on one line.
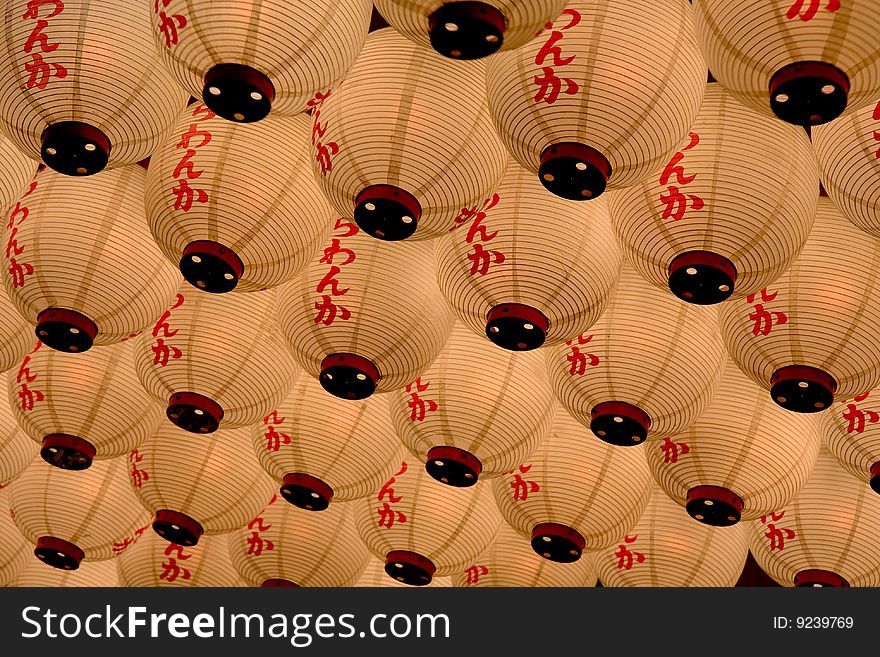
[(802, 389), (574, 171), (817, 577), (276, 582), (65, 330), (67, 452), (58, 553), (516, 326), (557, 542), (391, 193), (809, 70), (800, 94), (349, 376), (177, 527), (218, 268), (387, 212), (714, 505), (453, 466), (74, 148), (875, 477), (619, 423), (409, 567), (237, 92), (194, 412), (305, 491), (702, 277)]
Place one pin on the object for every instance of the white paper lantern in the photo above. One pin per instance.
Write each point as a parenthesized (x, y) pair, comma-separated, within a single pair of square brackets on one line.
[(729, 212), (406, 141), (284, 546), (603, 97), (477, 412), (216, 361), (374, 576), (154, 562), (89, 574), (810, 338), (851, 433), (512, 275), (81, 84), (16, 450), (15, 550), (249, 57), (231, 220), (806, 62), (366, 316), (82, 265)]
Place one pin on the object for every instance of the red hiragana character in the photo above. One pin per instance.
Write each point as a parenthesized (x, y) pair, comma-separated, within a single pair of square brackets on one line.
[(677, 203), (171, 570), (550, 86), (764, 319), (335, 249), (33, 8), (551, 49), (474, 573), (169, 26), (477, 214), (856, 416), (330, 280), (578, 359), (778, 535), (162, 353), (38, 37), (521, 487), (138, 476), (257, 544), (275, 438), (673, 168), (192, 132), (327, 311), (185, 195), (40, 71), (29, 397), (387, 516), (187, 165), (12, 247), (201, 112), (324, 155), (19, 271), (807, 13), (627, 558), (671, 451), (348, 229), (482, 258), (21, 212), (418, 407)]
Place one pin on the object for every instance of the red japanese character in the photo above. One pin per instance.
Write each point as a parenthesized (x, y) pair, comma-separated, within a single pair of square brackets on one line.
[(162, 353), (387, 516), (626, 558), (482, 258), (550, 49), (474, 573), (521, 487), (807, 13), (673, 167), (185, 195), (348, 229), (12, 247), (19, 271), (856, 416), (671, 451), (193, 132), (29, 397), (40, 71), (202, 113), (33, 8), (550, 86), (764, 319), (330, 280), (274, 439), (169, 26), (138, 477), (778, 536), (327, 311), (335, 249), (324, 155), (38, 37), (171, 570), (466, 214), (677, 203), (19, 209), (578, 359), (574, 17), (418, 407), (257, 544), (186, 164)]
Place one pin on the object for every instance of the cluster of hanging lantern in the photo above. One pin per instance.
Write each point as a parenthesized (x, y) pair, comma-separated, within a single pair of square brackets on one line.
[(493, 295)]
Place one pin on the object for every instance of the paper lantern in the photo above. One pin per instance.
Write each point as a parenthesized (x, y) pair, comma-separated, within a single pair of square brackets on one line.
[(647, 368), (16, 450), (810, 338), (513, 276), (575, 494), (586, 105), (245, 223), (805, 62), (469, 30), (366, 316), (666, 548), (247, 58), (89, 574), (81, 407), (406, 142), (849, 159), (851, 433), (216, 361), (154, 562), (510, 562), (15, 550), (743, 457), (84, 268), (477, 412), (18, 171), (729, 212), (320, 448), (16, 334), (374, 576), (421, 528), (82, 87), (72, 516), (198, 486), (825, 537), (284, 546)]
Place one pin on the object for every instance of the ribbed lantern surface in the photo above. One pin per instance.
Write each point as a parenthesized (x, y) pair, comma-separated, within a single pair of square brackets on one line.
[(476, 412), (527, 268), (743, 457), (575, 494), (82, 86), (16, 334), (74, 516), (198, 485), (511, 562), (81, 407), (82, 265), (729, 211), (667, 548), (827, 535), (154, 562), (18, 170), (851, 432), (216, 361), (16, 450), (647, 368), (231, 219), (374, 576), (849, 160), (365, 316), (805, 61), (287, 546), (469, 30), (586, 104), (89, 574), (247, 58), (405, 143), (15, 550), (319, 448), (810, 338), (421, 528)]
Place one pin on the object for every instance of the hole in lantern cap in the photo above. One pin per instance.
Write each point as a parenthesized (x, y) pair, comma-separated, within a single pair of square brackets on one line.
[(67, 452), (306, 492), (574, 171), (557, 542), (387, 212), (802, 389), (211, 267), (58, 553), (818, 578), (74, 148), (466, 30), (65, 330), (702, 277), (349, 376), (516, 327), (808, 93), (177, 527), (619, 423), (453, 466), (714, 506), (409, 567), (238, 93), (194, 412)]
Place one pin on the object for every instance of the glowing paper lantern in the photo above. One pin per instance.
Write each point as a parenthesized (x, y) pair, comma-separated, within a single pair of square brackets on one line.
[(509, 561), (421, 528), (83, 406), (75, 516), (16, 450), (666, 548), (826, 536), (469, 30), (729, 212), (15, 550), (852, 434), (320, 448), (810, 338), (196, 487), (575, 494), (586, 105), (89, 573), (647, 368), (216, 361), (849, 158), (228, 219), (247, 58), (406, 141), (806, 62), (85, 269), (477, 412), (374, 576), (287, 546), (366, 316), (82, 86), (152, 561)]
